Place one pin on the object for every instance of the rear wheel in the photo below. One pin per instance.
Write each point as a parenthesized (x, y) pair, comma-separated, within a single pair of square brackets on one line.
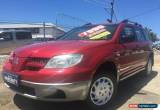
[(148, 70), (102, 91)]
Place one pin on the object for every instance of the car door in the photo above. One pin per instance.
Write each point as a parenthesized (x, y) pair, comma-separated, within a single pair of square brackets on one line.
[(141, 47), (144, 46), (127, 51)]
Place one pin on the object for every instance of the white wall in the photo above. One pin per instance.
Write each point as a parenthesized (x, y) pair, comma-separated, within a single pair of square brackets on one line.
[(49, 32)]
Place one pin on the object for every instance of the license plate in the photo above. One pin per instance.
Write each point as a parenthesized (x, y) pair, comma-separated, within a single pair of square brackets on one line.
[(11, 79)]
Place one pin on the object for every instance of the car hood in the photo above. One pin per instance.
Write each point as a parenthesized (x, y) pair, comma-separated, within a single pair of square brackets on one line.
[(50, 49)]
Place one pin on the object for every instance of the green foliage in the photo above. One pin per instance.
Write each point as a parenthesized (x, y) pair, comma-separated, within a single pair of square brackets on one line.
[(152, 36)]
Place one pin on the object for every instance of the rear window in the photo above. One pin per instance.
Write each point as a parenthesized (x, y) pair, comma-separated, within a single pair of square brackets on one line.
[(96, 32)]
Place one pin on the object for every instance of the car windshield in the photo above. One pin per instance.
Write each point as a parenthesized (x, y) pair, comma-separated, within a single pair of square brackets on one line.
[(94, 32)]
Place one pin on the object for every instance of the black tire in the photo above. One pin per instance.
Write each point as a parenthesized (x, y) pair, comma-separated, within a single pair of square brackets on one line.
[(107, 75), (148, 68)]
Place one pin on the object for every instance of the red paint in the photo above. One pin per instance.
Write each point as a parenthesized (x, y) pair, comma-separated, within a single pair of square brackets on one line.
[(95, 53)]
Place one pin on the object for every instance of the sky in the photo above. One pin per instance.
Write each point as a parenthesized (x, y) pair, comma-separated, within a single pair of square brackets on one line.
[(49, 10)]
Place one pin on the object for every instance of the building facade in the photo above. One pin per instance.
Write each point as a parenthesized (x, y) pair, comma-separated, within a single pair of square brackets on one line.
[(38, 30)]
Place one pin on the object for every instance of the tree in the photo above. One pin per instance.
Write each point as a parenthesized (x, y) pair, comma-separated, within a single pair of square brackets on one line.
[(152, 36)]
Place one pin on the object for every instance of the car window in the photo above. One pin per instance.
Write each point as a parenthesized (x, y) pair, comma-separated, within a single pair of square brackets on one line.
[(92, 32), (128, 35), (146, 34), (140, 35)]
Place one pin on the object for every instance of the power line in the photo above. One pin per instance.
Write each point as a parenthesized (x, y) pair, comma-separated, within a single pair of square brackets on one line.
[(144, 13), (75, 21), (102, 3), (109, 10), (112, 12), (72, 17), (115, 17), (99, 4), (117, 9)]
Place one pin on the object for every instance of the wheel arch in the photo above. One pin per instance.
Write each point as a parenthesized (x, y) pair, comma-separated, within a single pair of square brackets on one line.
[(108, 66)]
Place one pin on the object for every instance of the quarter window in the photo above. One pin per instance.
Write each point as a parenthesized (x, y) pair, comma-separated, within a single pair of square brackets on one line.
[(146, 34)]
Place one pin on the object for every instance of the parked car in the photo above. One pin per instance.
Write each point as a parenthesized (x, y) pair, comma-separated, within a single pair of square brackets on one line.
[(86, 64)]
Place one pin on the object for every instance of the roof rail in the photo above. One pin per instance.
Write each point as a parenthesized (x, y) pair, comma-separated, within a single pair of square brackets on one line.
[(127, 21), (87, 24), (131, 22)]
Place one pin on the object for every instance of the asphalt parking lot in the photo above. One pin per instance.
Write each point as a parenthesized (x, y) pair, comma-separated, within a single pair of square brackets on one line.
[(138, 89)]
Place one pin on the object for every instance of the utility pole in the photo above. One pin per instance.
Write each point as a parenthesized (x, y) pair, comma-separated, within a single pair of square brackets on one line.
[(112, 10), (56, 19), (56, 22), (44, 29)]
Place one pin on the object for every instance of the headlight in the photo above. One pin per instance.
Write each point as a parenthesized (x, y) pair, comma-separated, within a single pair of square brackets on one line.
[(64, 61)]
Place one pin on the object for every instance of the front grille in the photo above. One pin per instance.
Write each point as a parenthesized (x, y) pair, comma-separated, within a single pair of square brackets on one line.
[(35, 64), (38, 60)]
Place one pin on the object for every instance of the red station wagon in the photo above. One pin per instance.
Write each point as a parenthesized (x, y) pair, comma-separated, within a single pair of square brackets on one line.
[(86, 63)]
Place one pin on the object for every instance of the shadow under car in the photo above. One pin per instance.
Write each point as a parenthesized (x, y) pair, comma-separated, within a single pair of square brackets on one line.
[(126, 90)]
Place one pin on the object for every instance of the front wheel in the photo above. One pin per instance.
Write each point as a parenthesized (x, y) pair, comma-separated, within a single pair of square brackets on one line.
[(102, 91)]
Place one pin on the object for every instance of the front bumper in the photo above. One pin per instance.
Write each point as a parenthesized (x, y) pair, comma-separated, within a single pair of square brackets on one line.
[(52, 91)]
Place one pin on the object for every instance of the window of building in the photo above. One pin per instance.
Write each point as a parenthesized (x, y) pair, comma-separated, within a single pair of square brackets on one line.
[(34, 30)]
